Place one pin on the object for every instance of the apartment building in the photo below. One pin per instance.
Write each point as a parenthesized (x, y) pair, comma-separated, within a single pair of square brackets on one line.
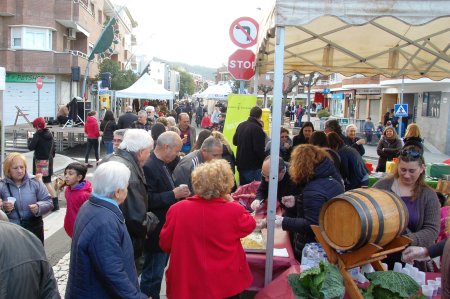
[(52, 40)]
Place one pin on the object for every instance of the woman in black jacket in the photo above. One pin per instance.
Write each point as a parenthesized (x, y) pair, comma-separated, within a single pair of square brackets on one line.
[(303, 136), (388, 148), (43, 145), (412, 137), (108, 126), (312, 169)]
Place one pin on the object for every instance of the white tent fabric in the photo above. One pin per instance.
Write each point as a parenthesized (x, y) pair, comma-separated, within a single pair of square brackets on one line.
[(391, 38), (218, 92), (145, 88)]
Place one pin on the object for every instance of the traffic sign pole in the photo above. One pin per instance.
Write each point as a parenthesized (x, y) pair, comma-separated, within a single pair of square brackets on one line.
[(401, 102), (39, 85)]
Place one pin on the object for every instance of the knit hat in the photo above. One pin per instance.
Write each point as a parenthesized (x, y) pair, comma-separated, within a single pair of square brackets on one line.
[(39, 123)]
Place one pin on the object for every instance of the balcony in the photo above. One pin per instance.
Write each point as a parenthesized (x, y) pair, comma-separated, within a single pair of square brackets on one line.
[(45, 62), (7, 8)]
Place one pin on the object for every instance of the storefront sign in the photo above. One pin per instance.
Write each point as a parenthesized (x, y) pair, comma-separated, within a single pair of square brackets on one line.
[(28, 78), (337, 96), (368, 91)]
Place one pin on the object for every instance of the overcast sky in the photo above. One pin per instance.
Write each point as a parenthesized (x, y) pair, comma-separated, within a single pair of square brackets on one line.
[(190, 31)]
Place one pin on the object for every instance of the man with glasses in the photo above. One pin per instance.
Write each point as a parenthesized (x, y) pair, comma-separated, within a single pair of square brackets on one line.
[(287, 190)]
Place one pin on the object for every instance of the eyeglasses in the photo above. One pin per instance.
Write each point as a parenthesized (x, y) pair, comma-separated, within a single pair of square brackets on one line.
[(410, 152)]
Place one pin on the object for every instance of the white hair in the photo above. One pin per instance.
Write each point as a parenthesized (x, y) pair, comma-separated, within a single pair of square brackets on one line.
[(171, 121), (142, 112), (349, 127), (150, 109), (135, 140), (110, 176), (129, 109)]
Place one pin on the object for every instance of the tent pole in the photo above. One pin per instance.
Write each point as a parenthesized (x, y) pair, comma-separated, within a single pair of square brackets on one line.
[(401, 102), (274, 149)]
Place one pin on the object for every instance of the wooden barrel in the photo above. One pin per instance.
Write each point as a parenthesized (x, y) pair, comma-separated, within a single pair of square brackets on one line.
[(361, 216)]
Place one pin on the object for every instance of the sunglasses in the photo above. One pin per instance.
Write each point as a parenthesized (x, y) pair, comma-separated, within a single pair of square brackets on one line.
[(411, 153)]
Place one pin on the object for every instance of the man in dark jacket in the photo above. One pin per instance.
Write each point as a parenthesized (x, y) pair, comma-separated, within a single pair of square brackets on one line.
[(162, 194), (250, 141), (24, 269), (211, 148), (286, 187), (126, 119), (101, 255), (133, 151)]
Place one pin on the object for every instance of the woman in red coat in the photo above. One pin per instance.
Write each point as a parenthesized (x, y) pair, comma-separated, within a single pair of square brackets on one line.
[(202, 235), (93, 133)]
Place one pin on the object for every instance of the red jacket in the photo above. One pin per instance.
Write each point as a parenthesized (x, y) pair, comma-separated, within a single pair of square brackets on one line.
[(206, 122), (91, 127), (75, 199), (206, 256)]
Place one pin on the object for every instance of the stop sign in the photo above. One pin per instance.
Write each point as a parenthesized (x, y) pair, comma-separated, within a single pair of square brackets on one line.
[(241, 64), (39, 82)]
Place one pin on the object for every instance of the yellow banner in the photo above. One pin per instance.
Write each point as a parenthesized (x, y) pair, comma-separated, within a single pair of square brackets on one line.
[(238, 110), (105, 102)]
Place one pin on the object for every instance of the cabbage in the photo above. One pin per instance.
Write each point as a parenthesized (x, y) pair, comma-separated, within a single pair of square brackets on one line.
[(323, 282)]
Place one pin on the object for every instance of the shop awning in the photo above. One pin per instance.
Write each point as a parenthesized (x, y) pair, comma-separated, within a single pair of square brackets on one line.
[(392, 38)]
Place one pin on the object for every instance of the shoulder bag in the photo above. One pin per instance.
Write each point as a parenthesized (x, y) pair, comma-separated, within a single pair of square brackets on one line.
[(42, 166)]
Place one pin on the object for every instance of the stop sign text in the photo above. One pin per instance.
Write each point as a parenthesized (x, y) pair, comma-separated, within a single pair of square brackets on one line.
[(241, 64)]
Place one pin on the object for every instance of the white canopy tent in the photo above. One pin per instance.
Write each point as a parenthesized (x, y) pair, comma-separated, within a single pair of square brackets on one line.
[(217, 92), (146, 88), (391, 38)]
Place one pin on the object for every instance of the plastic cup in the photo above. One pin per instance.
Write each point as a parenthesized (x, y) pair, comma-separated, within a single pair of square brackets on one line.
[(11, 199), (421, 276), (183, 186), (427, 291), (398, 267)]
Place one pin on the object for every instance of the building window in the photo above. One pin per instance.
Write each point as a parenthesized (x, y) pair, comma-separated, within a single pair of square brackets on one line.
[(431, 106), (100, 16), (31, 38)]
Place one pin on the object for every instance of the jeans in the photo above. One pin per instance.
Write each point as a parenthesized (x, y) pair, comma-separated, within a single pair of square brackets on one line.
[(248, 176), (108, 146), (152, 273), (91, 143)]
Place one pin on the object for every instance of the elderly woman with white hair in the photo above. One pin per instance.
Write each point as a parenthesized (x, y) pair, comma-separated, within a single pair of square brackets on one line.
[(101, 259), (132, 152), (353, 141)]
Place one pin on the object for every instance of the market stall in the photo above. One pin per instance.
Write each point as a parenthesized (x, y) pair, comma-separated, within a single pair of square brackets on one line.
[(146, 88), (390, 38)]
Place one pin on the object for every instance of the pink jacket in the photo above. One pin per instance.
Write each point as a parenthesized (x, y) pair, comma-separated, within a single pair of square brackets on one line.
[(91, 127), (75, 199)]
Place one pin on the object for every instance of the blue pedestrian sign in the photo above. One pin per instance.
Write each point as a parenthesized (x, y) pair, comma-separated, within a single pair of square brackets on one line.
[(401, 110)]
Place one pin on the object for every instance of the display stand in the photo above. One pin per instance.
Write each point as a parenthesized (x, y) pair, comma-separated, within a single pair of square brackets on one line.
[(370, 253), (24, 115), (71, 123)]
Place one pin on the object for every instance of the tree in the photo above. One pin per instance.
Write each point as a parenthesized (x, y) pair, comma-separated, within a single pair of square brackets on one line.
[(265, 90), (187, 84), (119, 79)]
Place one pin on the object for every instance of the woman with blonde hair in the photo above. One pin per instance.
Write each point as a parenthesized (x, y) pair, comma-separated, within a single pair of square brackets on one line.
[(23, 198), (202, 234), (312, 169), (412, 137)]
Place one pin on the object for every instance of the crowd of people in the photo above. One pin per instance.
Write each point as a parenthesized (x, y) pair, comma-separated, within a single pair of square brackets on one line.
[(162, 196)]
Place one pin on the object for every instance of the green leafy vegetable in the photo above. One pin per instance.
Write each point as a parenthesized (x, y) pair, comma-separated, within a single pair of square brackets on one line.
[(398, 283), (323, 282)]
